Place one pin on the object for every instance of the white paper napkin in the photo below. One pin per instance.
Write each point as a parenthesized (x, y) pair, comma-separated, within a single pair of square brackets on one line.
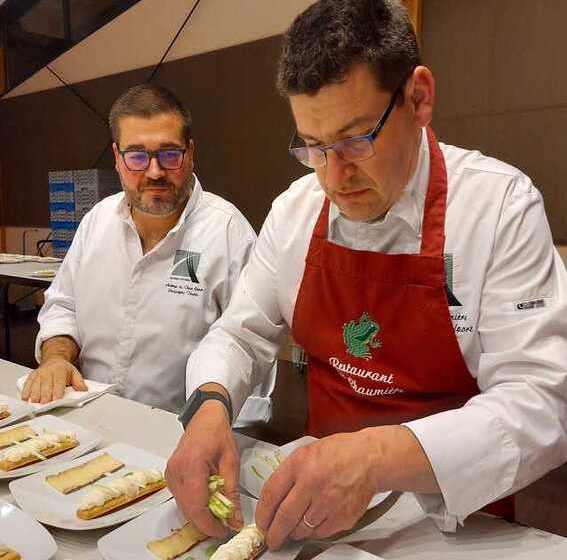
[(71, 398)]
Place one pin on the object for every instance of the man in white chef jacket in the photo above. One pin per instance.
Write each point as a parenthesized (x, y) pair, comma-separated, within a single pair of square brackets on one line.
[(149, 270), (422, 282)]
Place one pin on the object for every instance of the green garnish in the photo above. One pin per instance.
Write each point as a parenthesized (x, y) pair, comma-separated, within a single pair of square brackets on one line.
[(210, 550), (219, 504), (256, 472), (279, 456)]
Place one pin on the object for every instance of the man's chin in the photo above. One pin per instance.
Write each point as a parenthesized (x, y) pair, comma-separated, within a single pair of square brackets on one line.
[(157, 209)]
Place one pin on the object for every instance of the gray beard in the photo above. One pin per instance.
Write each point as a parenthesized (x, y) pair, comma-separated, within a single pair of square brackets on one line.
[(163, 208)]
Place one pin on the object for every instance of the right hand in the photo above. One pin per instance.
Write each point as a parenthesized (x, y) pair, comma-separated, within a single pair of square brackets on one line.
[(48, 381), (207, 447)]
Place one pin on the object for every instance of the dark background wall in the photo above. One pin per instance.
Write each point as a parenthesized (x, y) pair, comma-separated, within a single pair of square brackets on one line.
[(502, 88), (241, 128), (501, 72)]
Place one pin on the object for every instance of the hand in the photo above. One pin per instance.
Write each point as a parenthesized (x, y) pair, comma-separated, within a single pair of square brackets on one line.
[(48, 381), (207, 447), (327, 484)]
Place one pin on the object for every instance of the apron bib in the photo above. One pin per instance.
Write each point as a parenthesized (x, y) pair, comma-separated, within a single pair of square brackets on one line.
[(384, 350)]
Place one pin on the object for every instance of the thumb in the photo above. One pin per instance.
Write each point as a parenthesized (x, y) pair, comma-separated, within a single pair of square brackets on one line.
[(232, 492), (77, 381)]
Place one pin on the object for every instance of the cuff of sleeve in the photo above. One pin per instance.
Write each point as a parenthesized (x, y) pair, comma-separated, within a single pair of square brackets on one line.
[(434, 506), (209, 365), (68, 329), (473, 458)]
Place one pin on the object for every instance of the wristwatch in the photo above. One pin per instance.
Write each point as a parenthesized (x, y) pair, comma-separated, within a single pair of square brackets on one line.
[(195, 401)]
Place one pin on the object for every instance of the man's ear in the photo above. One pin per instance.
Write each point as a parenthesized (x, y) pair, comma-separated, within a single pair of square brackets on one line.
[(116, 155), (190, 155), (420, 93)]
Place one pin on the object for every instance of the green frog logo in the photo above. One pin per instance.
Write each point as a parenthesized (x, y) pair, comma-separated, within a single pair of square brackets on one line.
[(360, 336)]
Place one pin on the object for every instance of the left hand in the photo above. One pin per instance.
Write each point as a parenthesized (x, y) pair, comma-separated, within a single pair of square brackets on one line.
[(328, 483)]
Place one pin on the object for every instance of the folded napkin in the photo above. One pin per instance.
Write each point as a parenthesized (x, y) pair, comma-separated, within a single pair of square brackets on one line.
[(71, 398)]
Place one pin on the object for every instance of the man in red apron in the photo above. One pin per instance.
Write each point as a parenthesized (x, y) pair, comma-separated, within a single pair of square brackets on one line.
[(375, 325)]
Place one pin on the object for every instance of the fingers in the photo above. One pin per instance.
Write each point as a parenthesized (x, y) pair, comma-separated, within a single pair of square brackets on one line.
[(77, 381), (187, 475), (192, 497), (229, 469), (48, 382), (282, 503), (35, 391), (57, 389), (26, 392), (310, 522), (46, 388)]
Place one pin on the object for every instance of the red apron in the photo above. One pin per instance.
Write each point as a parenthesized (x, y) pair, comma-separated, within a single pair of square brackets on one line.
[(384, 350)]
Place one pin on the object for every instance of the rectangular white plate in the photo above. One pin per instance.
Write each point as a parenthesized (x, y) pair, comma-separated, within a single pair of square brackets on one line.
[(87, 440), (19, 409), (129, 541), (49, 506), (24, 534), (258, 462)]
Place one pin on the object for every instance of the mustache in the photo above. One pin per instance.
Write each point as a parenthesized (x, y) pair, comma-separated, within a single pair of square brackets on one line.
[(156, 183)]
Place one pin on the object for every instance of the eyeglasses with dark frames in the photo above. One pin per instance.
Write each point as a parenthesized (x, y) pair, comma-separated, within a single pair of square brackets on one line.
[(139, 160), (354, 149)]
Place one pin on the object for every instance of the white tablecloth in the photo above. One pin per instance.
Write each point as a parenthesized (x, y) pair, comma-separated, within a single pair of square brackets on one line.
[(403, 533)]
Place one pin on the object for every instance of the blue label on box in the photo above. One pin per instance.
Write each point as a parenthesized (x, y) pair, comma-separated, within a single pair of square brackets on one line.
[(65, 187)]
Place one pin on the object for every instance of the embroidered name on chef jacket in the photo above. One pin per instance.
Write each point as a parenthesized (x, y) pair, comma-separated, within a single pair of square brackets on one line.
[(462, 323), (183, 279)]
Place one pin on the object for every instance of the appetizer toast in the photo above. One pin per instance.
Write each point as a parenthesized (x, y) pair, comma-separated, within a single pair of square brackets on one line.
[(120, 492), (177, 543), (78, 477), (16, 435), (37, 448)]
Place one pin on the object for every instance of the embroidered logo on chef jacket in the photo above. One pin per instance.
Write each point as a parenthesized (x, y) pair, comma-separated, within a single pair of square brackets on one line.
[(186, 264), (183, 279), (452, 299), (360, 336)]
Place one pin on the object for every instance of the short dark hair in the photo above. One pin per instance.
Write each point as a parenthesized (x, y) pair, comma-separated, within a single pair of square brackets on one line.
[(327, 39), (147, 101)]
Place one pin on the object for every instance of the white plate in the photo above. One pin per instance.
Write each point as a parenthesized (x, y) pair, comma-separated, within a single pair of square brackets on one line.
[(19, 409), (24, 534), (129, 541), (258, 462), (51, 507), (87, 440)]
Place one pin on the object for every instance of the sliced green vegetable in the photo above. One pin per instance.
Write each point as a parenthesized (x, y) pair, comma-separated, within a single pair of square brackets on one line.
[(210, 550), (219, 504), (256, 472)]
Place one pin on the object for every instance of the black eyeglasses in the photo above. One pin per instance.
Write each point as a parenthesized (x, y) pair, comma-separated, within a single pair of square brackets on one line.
[(354, 149), (139, 160)]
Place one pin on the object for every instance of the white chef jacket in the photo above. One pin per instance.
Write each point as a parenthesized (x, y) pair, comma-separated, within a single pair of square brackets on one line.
[(136, 317), (511, 323)]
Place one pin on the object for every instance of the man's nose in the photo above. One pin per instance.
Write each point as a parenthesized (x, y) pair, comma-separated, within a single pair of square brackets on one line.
[(154, 170), (337, 170)]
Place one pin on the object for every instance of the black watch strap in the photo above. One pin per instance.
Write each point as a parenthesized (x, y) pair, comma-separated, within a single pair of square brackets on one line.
[(195, 401)]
